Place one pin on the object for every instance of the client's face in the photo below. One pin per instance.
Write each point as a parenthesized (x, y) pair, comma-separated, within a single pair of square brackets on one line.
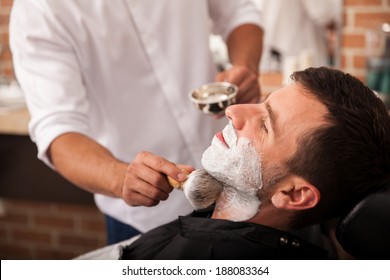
[(233, 161), (251, 151)]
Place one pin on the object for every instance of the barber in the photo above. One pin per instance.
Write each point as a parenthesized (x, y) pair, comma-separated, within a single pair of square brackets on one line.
[(107, 86)]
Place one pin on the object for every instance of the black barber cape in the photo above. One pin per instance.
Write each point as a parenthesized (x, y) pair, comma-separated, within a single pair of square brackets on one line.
[(198, 237)]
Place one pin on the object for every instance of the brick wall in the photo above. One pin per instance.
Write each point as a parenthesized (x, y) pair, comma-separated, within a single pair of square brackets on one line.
[(37, 230), (359, 17), (5, 54)]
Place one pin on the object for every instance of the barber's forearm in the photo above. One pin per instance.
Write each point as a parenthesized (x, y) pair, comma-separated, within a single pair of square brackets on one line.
[(87, 164), (245, 45)]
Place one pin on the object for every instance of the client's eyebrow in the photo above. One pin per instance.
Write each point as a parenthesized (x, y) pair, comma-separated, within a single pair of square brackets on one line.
[(272, 116)]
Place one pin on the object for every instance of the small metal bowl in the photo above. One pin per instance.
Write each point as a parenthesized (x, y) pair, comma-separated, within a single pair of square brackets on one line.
[(214, 98)]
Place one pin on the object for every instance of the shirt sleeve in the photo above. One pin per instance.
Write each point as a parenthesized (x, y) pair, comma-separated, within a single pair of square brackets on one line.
[(323, 12), (226, 15), (47, 69)]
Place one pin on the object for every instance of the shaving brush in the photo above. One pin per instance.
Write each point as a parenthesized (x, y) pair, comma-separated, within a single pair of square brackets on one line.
[(200, 188)]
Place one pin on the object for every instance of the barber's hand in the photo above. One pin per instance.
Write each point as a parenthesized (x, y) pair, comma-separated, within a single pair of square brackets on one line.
[(145, 182), (246, 80)]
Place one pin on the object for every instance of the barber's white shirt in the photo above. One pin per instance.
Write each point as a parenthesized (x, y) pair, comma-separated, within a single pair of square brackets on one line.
[(120, 72)]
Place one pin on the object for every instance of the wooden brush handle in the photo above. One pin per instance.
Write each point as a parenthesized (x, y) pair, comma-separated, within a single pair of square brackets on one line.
[(175, 184)]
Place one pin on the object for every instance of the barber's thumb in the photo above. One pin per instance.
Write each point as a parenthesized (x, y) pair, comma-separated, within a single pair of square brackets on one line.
[(221, 77)]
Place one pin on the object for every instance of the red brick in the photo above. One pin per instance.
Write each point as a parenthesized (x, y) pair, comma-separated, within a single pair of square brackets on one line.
[(9, 72), (23, 206), (79, 210), (54, 222), (5, 38), (55, 254), (93, 225), (80, 241), (3, 234), (343, 61), (359, 61), (26, 235), (353, 41), (344, 18), (362, 2), (6, 3), (6, 55), (371, 20), (4, 19), (14, 219), (14, 252)]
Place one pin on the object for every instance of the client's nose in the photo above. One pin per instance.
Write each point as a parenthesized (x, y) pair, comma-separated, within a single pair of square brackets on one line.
[(240, 114)]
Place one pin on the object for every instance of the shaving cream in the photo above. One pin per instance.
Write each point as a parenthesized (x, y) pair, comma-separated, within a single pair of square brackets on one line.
[(238, 168)]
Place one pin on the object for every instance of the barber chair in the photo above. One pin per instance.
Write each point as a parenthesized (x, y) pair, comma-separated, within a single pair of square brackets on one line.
[(364, 232)]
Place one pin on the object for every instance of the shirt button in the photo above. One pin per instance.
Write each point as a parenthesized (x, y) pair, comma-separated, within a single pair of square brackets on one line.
[(283, 240), (295, 244)]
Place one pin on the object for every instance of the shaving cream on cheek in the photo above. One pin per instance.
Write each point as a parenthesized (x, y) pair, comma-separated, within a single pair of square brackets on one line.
[(239, 169)]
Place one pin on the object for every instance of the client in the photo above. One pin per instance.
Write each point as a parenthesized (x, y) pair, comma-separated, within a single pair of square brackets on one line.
[(308, 153)]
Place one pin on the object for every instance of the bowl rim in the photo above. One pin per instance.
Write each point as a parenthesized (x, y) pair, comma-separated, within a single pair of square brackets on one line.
[(224, 84)]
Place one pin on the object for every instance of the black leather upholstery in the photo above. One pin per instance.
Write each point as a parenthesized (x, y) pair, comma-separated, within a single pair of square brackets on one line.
[(365, 231)]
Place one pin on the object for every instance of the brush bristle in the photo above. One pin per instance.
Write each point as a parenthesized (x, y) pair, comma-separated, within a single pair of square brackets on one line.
[(201, 189)]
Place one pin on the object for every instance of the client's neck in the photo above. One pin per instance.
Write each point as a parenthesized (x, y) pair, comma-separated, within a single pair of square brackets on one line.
[(234, 205), (230, 205), (269, 215)]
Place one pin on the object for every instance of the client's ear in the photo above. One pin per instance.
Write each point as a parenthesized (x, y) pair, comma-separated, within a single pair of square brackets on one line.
[(295, 193)]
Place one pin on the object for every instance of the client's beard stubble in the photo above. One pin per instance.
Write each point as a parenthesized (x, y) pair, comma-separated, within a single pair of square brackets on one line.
[(233, 175)]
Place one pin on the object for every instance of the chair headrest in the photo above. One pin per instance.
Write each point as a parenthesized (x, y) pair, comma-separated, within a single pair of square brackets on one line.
[(364, 232)]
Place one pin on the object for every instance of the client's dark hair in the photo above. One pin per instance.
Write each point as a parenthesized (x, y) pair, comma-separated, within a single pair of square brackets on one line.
[(348, 158)]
